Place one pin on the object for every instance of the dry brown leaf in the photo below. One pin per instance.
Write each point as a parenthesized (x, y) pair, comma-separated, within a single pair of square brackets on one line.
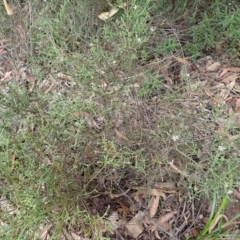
[(208, 93), (229, 225), (23, 73), (64, 76), (118, 195), (165, 226), (231, 85), (124, 210), (134, 226), (194, 232), (209, 62), (166, 187), (224, 71), (152, 192), (230, 78), (217, 101), (214, 67), (7, 7), (7, 76), (166, 77), (218, 86), (183, 61), (165, 218), (113, 219), (234, 69), (154, 202), (162, 222), (157, 235), (75, 236), (228, 99), (106, 15)]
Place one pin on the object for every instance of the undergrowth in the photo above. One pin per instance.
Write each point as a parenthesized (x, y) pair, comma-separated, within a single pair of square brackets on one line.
[(212, 24), (108, 132)]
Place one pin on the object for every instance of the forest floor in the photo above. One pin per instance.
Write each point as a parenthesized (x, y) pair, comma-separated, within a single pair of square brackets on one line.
[(116, 137)]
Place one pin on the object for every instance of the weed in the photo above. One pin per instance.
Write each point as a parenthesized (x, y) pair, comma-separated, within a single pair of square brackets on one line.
[(208, 232)]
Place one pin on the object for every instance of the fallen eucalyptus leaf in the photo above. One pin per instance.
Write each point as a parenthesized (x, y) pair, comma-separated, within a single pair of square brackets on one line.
[(7, 7), (154, 202), (214, 67), (134, 226)]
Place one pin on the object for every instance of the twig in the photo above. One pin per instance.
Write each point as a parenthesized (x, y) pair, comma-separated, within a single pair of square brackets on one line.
[(177, 170)]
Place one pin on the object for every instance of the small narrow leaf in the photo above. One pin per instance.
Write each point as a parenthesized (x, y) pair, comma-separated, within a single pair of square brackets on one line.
[(7, 7), (154, 206)]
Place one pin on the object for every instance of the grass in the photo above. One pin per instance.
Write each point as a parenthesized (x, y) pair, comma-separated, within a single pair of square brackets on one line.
[(98, 121)]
